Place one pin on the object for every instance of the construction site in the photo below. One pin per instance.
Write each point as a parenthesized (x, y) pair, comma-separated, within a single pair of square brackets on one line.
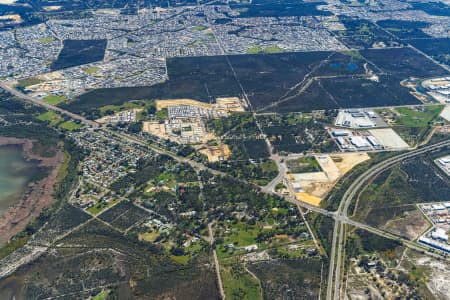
[(185, 122), (312, 185)]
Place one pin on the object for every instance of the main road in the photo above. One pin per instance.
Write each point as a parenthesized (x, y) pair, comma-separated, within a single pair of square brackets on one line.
[(341, 214), (48, 106)]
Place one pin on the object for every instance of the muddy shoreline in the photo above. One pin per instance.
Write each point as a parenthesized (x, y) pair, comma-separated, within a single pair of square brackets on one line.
[(37, 196)]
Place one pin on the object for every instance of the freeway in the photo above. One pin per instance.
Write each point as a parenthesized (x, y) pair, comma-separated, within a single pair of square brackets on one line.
[(48, 106), (341, 214)]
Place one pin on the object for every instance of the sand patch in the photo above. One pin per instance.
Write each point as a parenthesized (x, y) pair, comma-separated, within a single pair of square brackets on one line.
[(16, 18), (445, 113), (155, 128), (307, 198), (52, 7), (328, 166), (217, 153), (315, 185), (346, 161)]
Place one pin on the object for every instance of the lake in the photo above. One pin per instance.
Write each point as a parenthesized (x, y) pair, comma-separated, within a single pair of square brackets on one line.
[(15, 174)]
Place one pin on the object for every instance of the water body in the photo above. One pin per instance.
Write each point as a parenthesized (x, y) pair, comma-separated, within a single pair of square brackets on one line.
[(15, 174)]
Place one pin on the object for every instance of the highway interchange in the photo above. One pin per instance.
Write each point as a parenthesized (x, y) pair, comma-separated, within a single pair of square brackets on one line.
[(340, 215)]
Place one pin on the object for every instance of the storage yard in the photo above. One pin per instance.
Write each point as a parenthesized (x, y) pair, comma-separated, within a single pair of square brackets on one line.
[(438, 88), (444, 164), (359, 118), (367, 140)]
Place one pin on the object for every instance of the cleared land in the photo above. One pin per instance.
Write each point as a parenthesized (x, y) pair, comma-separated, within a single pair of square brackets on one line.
[(315, 185), (389, 139)]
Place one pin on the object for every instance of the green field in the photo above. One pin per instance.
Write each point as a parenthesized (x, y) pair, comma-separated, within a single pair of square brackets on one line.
[(51, 117), (411, 117), (54, 100), (254, 49), (29, 81), (100, 206), (241, 235), (46, 40), (199, 28), (303, 165), (102, 295), (238, 283), (91, 70), (273, 49), (70, 125)]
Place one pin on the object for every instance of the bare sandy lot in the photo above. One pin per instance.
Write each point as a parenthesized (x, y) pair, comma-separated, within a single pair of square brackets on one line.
[(52, 7), (389, 139), (316, 185), (346, 161), (446, 113), (307, 198), (155, 128), (217, 153), (16, 17)]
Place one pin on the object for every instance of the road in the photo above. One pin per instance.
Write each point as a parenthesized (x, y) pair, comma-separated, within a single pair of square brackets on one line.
[(270, 187), (194, 164), (341, 214), (216, 261), (48, 106)]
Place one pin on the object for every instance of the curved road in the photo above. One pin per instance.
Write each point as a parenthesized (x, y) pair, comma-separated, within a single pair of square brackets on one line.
[(341, 213)]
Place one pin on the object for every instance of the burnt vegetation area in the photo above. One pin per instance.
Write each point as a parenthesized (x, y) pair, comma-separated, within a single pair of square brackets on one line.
[(79, 52), (283, 82), (289, 278), (298, 133)]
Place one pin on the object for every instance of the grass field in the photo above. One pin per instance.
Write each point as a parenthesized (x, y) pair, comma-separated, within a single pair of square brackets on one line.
[(99, 207), (411, 117), (70, 125), (46, 40), (51, 117), (29, 81), (303, 165), (238, 283), (102, 295), (91, 70), (257, 49), (54, 100), (273, 49), (199, 28), (413, 123), (254, 50)]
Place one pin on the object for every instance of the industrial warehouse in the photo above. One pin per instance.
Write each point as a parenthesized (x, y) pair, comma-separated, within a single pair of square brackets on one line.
[(439, 216)]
